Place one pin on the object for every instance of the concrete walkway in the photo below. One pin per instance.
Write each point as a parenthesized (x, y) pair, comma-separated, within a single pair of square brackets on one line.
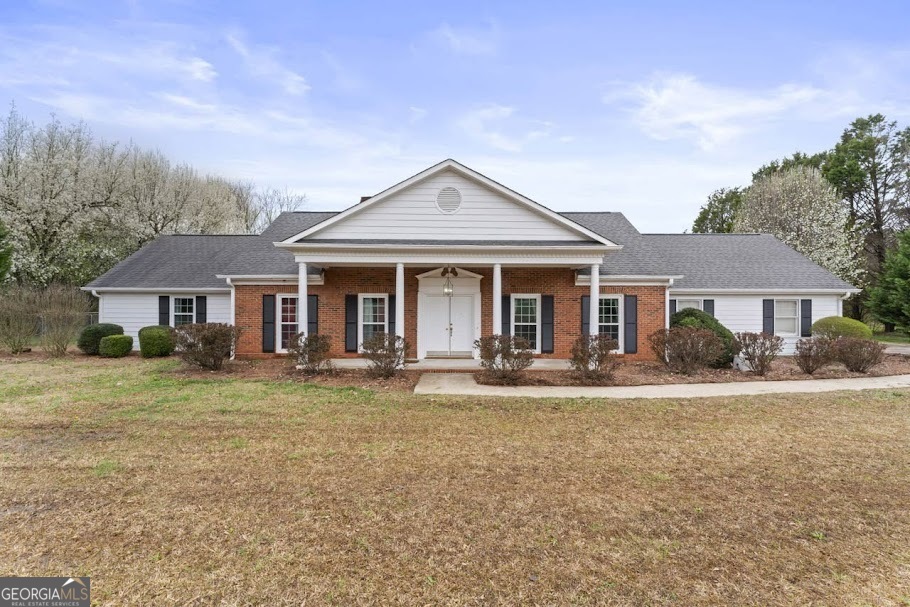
[(464, 384), (898, 349)]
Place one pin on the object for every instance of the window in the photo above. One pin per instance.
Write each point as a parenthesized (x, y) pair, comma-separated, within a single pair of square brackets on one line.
[(526, 318), (287, 320), (609, 316), (373, 315), (682, 304), (786, 316), (184, 311)]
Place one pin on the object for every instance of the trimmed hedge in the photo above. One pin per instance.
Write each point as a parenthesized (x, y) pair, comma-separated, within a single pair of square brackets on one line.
[(115, 346), (91, 336), (697, 319), (156, 340), (833, 327)]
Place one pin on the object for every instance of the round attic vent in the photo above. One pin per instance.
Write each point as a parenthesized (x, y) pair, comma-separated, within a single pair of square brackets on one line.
[(448, 200)]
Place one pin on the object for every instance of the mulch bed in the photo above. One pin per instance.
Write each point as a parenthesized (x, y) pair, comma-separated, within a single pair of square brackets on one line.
[(651, 373)]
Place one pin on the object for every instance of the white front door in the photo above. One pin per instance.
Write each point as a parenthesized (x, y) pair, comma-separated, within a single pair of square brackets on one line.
[(448, 325)]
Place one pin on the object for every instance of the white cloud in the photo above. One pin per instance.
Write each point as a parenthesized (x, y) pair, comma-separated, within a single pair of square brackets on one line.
[(261, 62), (417, 114), (679, 106), (488, 123), (468, 41)]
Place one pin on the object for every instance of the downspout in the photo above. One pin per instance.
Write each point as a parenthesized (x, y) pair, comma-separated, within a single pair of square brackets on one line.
[(95, 294), (233, 311), (667, 305)]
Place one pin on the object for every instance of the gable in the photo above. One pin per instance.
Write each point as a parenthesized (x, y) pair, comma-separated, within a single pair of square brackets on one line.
[(411, 213)]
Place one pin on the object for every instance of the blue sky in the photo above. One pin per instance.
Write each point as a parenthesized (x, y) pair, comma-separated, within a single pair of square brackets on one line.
[(643, 108)]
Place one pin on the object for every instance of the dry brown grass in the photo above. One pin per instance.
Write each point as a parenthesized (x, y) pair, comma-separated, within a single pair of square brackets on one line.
[(169, 490)]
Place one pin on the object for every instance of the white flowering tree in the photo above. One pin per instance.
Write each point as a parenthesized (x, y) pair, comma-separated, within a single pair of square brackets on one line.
[(75, 206), (801, 208)]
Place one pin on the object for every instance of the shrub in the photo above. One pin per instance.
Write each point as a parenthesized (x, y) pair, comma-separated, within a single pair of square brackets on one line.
[(311, 353), (18, 318), (759, 350), (859, 355), (593, 359), (692, 317), (385, 354), (156, 340), (115, 346), (814, 353), (90, 338), (206, 345), (62, 311), (834, 327), (686, 349), (504, 358)]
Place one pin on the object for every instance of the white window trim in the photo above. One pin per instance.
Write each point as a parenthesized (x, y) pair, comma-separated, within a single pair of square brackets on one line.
[(797, 317), (622, 320), (360, 298), (173, 314), (279, 324), (701, 303), (536, 296)]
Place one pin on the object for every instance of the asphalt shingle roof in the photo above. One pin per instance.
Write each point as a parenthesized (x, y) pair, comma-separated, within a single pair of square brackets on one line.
[(706, 261)]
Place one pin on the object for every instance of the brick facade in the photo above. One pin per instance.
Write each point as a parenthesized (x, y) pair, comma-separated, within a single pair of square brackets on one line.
[(559, 282)]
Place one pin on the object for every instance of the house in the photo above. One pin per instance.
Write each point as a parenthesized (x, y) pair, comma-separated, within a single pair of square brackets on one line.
[(449, 255)]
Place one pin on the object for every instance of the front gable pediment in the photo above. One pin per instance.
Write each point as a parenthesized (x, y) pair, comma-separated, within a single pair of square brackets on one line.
[(450, 202)]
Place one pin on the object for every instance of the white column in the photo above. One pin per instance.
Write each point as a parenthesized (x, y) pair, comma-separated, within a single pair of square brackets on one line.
[(302, 304), (497, 299), (399, 300), (594, 318)]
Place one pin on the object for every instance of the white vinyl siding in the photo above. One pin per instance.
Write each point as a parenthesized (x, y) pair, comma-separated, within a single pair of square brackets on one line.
[(412, 214), (745, 313), (132, 311)]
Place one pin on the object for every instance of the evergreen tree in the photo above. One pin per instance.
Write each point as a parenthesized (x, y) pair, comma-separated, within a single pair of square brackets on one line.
[(890, 299)]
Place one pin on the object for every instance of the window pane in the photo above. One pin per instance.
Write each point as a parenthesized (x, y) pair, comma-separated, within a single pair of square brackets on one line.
[(183, 305), (289, 309), (374, 310), (682, 304), (183, 319), (609, 311), (525, 310), (611, 330), (529, 332), (287, 332), (785, 325), (785, 307), (371, 330)]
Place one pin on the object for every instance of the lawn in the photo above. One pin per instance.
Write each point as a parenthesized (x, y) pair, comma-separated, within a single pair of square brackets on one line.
[(171, 490), (893, 338)]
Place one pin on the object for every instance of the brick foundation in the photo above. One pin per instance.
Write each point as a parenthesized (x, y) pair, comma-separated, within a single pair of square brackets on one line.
[(559, 282)]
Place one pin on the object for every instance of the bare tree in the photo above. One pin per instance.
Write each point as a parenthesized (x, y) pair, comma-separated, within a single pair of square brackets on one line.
[(273, 202)]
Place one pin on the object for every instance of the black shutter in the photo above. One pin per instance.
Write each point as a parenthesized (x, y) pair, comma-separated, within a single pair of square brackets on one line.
[(164, 310), (805, 317), (312, 314), (585, 314), (546, 324), (708, 306), (672, 307), (506, 315), (201, 313), (768, 316), (391, 313), (350, 323), (268, 323), (630, 335)]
